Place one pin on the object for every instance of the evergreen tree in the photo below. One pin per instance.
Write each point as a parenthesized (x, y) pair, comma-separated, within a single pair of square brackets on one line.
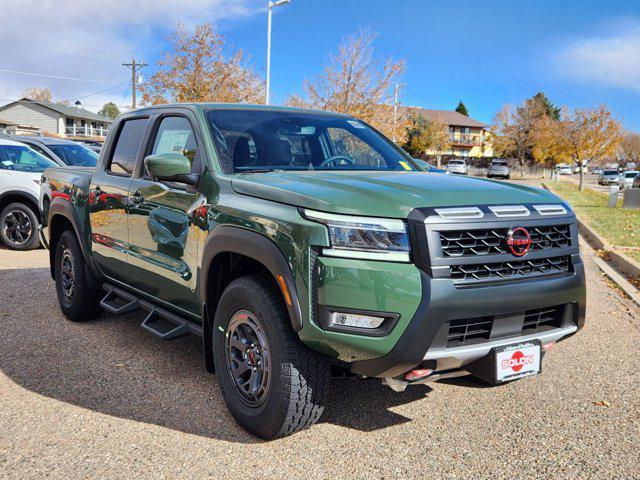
[(550, 109), (461, 108)]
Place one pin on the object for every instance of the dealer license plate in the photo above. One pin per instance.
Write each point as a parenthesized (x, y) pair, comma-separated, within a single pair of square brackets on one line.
[(517, 361)]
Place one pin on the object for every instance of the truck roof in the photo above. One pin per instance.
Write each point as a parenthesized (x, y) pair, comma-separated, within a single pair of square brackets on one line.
[(239, 106)]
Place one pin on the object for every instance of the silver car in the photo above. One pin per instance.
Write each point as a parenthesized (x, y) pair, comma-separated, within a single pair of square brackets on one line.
[(608, 176), (458, 167), (498, 168), (626, 180)]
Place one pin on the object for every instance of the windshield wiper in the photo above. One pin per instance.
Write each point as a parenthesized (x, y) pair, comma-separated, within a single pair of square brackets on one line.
[(259, 170)]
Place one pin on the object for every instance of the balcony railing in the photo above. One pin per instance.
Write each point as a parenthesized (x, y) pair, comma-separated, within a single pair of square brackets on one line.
[(87, 130), (466, 139)]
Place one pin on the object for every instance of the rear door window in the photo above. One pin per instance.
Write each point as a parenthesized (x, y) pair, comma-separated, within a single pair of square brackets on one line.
[(127, 148)]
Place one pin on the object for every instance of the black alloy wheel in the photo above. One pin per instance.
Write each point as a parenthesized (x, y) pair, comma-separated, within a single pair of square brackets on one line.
[(248, 358)]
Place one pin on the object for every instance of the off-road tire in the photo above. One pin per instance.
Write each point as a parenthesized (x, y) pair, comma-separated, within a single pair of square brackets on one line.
[(25, 213), (299, 376), (83, 302)]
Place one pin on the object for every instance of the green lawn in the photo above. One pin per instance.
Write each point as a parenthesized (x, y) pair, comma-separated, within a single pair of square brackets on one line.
[(620, 226)]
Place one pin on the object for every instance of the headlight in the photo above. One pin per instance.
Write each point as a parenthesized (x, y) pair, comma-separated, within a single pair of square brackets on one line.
[(364, 237)]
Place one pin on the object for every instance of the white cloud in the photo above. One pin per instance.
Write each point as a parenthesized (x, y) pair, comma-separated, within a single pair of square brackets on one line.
[(608, 59), (90, 40)]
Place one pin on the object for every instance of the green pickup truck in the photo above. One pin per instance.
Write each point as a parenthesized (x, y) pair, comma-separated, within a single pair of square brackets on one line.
[(301, 244)]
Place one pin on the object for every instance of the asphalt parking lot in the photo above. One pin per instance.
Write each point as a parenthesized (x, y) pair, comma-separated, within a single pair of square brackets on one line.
[(105, 399)]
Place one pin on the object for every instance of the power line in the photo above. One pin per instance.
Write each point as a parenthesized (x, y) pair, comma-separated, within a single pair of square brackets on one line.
[(31, 38), (103, 91), (4, 101), (52, 76)]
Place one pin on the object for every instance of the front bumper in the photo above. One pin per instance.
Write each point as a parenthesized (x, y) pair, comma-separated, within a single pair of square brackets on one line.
[(442, 302)]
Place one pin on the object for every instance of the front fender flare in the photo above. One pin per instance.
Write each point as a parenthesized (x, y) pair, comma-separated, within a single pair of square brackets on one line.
[(257, 247)]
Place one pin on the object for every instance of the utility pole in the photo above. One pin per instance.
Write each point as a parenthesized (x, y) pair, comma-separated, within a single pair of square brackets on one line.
[(135, 67)]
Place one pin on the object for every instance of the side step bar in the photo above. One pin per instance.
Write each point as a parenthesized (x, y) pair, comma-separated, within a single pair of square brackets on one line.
[(162, 323)]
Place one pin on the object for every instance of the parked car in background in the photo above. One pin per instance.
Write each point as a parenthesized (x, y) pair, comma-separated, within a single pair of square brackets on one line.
[(20, 171), (564, 169), (94, 145), (626, 179), (63, 152), (636, 182), (499, 168), (428, 167), (458, 167), (608, 176), (596, 170)]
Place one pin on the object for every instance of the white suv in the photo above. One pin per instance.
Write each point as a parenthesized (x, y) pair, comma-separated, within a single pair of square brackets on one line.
[(20, 170), (458, 166)]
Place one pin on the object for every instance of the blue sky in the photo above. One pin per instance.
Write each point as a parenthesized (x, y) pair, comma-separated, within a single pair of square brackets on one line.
[(580, 53)]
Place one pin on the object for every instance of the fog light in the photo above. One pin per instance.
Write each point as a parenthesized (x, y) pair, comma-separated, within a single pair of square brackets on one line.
[(354, 320)]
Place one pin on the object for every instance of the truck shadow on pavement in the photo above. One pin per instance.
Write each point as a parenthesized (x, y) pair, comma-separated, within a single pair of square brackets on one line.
[(112, 366)]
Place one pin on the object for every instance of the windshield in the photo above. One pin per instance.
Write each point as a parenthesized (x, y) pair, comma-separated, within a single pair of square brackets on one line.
[(610, 172), (456, 162), (22, 159), (630, 174), (499, 163), (258, 140), (75, 155)]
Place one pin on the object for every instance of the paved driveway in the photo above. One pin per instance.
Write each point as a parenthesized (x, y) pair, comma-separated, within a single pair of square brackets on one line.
[(105, 399)]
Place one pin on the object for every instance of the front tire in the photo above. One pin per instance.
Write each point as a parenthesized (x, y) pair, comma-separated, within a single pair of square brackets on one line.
[(272, 383), (19, 227), (77, 299)]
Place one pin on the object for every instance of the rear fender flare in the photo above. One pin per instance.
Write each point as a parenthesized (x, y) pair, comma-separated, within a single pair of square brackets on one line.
[(60, 207)]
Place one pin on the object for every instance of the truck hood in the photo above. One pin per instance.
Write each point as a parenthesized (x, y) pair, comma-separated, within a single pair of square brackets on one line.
[(382, 194)]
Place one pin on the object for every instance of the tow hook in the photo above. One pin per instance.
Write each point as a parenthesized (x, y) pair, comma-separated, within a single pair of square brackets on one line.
[(412, 376), (395, 384)]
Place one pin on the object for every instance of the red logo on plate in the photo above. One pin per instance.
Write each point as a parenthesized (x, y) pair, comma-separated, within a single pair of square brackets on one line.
[(519, 241), (517, 361)]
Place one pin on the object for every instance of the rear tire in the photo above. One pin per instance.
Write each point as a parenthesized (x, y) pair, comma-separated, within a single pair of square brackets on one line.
[(253, 339), (77, 299), (19, 227)]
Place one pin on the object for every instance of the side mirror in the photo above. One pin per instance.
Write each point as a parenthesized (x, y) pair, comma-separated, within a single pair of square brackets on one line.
[(171, 167)]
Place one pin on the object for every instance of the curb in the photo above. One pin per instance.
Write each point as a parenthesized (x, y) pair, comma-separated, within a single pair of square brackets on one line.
[(617, 259), (619, 280)]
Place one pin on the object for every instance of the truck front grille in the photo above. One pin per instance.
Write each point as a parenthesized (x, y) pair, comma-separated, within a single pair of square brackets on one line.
[(511, 269), (469, 243)]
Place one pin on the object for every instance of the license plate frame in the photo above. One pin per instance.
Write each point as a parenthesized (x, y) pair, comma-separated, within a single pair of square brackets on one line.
[(517, 360)]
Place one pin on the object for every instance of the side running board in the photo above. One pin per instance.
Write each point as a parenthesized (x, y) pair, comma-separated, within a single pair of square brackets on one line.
[(162, 323), (118, 302)]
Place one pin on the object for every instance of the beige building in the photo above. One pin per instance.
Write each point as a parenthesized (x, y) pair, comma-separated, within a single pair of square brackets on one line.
[(468, 137)]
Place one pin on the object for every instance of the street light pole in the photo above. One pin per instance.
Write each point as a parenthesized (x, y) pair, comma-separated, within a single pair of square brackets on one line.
[(277, 3)]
